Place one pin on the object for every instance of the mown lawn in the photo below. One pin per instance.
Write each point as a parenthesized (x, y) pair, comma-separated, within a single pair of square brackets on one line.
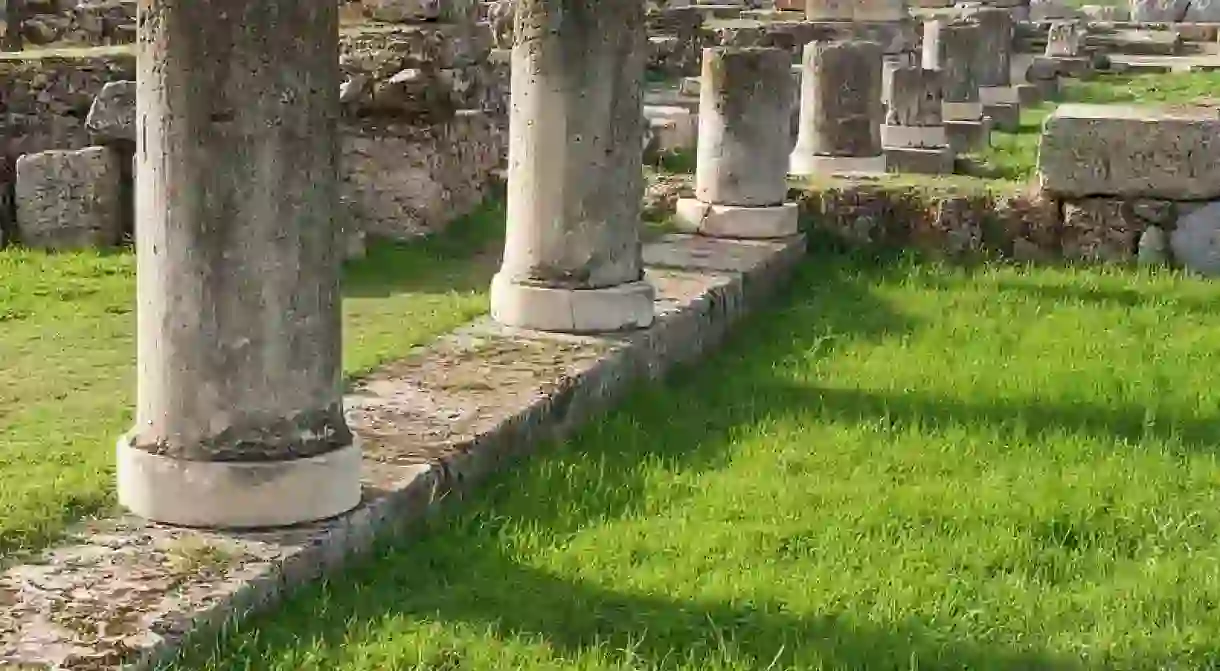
[(67, 351), (1015, 155), (901, 466)]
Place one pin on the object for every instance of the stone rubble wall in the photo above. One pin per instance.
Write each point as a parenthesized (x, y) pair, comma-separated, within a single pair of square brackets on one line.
[(423, 128), (78, 22)]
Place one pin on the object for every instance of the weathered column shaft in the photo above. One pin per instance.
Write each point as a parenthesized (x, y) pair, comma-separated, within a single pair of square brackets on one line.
[(994, 64), (744, 112), (575, 168), (12, 15), (841, 109), (952, 48), (744, 117), (238, 267)]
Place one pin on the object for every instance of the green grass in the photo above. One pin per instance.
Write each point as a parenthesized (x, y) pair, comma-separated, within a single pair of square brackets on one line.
[(901, 466), (1015, 156), (67, 358)]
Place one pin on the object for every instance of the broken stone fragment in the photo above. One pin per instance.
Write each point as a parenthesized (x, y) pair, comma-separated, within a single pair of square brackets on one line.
[(1196, 240), (69, 199), (112, 117), (1153, 247)]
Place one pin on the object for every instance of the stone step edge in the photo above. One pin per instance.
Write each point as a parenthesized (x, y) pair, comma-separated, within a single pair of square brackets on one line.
[(704, 286)]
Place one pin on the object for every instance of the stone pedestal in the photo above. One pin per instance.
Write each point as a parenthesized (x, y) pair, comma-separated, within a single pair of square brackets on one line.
[(996, 93), (239, 419), (841, 111), (951, 47), (913, 135), (741, 175), (575, 180)]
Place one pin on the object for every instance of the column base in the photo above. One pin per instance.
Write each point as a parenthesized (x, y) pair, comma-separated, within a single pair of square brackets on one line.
[(559, 310), (913, 136), (802, 164), (963, 111), (736, 221), (238, 495)]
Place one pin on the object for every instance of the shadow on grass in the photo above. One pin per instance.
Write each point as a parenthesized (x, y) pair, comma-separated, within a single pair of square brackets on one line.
[(462, 570), (437, 264)]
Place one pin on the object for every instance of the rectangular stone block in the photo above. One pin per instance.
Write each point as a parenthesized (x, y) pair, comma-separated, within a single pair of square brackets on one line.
[(1005, 117), (1100, 229), (1115, 150), (69, 199), (968, 136), (920, 161)]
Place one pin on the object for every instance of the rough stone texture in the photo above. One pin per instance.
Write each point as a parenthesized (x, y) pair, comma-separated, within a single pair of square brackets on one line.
[(743, 145), (238, 330), (402, 10), (112, 117), (920, 160), (401, 181), (44, 100), (841, 108), (69, 199), (993, 65), (676, 41), (1196, 240), (575, 154), (1064, 40), (1159, 11), (1169, 153), (895, 37), (1100, 229), (952, 48), (433, 425), (914, 97)]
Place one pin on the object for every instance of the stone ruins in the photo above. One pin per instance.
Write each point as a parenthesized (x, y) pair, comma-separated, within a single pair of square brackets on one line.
[(243, 190)]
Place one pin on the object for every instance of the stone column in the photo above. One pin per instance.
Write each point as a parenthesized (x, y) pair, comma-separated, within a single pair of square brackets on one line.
[(741, 174), (11, 14), (841, 111), (572, 258), (239, 420), (913, 135), (994, 63), (952, 48)]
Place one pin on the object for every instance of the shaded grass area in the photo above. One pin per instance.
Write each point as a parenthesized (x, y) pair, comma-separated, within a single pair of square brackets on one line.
[(1014, 156), (67, 352), (901, 466)]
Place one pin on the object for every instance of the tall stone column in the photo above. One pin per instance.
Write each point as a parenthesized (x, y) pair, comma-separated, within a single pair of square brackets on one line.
[(239, 420), (841, 110), (741, 174), (952, 48), (572, 257)]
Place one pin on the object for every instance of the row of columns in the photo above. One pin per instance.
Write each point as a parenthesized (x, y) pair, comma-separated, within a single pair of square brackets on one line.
[(240, 419)]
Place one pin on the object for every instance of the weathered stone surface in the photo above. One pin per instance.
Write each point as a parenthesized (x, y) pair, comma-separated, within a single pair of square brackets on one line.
[(1195, 240), (1100, 229), (434, 426), (401, 181), (69, 199), (1153, 247), (993, 64), (952, 48), (1159, 11), (402, 10), (1134, 152), (45, 99), (745, 107), (1065, 39), (914, 97), (841, 108), (112, 117)]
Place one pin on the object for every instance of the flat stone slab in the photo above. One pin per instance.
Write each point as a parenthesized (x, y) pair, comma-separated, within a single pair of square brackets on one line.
[(1170, 152), (125, 592)]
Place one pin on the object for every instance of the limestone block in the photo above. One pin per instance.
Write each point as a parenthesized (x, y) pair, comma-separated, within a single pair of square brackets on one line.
[(1130, 151), (1159, 11), (1196, 240), (69, 199), (112, 117)]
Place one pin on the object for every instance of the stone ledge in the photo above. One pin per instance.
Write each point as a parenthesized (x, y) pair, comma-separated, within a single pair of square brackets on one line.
[(123, 592)]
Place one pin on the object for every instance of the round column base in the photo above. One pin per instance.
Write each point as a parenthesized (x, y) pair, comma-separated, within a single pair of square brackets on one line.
[(736, 221), (803, 164), (560, 310), (238, 495)]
